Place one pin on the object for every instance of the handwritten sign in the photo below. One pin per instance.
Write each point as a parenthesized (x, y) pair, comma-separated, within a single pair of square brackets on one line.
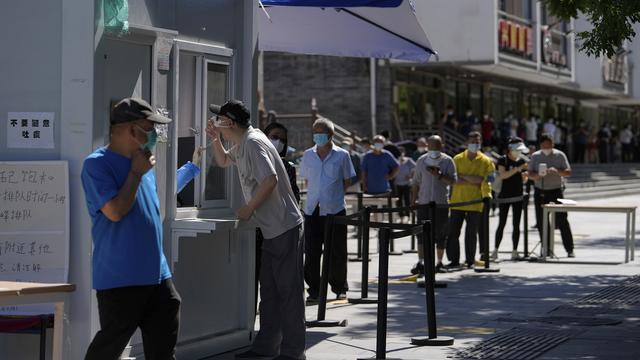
[(30, 130), (34, 225)]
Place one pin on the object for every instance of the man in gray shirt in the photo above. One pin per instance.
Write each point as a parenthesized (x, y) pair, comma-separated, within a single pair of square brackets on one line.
[(270, 203), (547, 168), (435, 171)]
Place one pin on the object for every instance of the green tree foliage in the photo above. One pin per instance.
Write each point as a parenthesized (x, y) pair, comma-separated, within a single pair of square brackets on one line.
[(612, 22)]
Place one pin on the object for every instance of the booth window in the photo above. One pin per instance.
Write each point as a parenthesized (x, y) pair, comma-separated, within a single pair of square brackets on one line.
[(203, 79)]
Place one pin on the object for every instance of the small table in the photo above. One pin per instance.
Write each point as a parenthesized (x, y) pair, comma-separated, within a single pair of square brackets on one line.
[(21, 293), (549, 222)]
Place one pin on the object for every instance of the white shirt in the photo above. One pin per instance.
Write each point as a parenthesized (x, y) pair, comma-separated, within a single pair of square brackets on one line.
[(532, 130), (625, 136), (549, 128), (326, 179)]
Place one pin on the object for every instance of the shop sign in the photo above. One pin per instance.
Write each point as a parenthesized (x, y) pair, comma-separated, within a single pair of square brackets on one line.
[(515, 38)]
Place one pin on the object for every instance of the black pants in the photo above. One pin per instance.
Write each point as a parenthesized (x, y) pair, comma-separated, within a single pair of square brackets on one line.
[(504, 212), (314, 240), (155, 309), (562, 220), (404, 197), (580, 151), (473, 219), (441, 224)]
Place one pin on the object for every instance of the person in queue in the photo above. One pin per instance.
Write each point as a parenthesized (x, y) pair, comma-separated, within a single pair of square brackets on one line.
[(547, 168), (474, 169), (272, 206), (435, 172), (512, 171), (328, 171), (379, 166)]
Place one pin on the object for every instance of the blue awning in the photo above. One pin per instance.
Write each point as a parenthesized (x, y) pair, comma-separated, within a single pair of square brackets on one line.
[(386, 29), (333, 3)]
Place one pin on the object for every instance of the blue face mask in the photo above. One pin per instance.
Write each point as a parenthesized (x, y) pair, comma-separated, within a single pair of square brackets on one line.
[(152, 139), (321, 139), (473, 147)]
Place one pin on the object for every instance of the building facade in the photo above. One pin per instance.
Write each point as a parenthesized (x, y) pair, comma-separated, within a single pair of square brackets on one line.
[(495, 57)]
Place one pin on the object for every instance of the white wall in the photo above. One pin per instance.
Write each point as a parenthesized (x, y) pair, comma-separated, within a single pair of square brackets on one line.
[(30, 64), (588, 68), (460, 30)]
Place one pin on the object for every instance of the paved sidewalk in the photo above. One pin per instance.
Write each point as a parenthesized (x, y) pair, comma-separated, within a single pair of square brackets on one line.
[(522, 296)]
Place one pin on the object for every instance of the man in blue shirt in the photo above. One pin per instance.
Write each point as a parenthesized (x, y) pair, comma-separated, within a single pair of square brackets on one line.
[(328, 171), (378, 167), (130, 272)]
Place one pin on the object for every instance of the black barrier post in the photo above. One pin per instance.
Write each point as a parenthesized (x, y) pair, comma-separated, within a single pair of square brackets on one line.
[(392, 250), (434, 220), (384, 235), (525, 214), (413, 249), (324, 280), (484, 237), (358, 233), (428, 248), (364, 287)]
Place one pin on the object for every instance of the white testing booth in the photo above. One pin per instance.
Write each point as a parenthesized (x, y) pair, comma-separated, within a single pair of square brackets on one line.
[(179, 55)]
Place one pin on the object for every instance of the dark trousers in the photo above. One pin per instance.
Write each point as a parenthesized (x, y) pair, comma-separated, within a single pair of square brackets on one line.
[(542, 197), (580, 151), (473, 219), (314, 241), (504, 212), (404, 197), (441, 224), (155, 309), (282, 322)]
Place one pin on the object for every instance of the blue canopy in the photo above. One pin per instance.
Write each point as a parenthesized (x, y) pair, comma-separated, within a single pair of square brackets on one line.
[(333, 3), (386, 29)]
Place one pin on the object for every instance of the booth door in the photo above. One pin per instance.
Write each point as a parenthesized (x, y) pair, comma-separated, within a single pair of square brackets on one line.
[(126, 73)]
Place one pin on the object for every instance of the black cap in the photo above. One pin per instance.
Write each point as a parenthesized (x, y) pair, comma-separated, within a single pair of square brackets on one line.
[(132, 109), (234, 110)]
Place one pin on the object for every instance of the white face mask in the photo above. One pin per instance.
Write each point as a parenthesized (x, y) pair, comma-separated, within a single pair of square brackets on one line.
[(473, 147), (434, 154), (547, 151), (279, 145), (422, 149), (516, 153), (378, 146)]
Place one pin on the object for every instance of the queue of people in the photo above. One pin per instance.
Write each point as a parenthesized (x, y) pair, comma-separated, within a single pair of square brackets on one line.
[(130, 272)]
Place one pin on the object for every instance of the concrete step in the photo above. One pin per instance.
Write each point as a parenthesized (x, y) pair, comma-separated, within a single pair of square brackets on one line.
[(596, 184)]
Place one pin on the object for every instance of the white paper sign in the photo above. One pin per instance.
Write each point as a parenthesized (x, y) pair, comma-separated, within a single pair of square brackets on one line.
[(30, 130), (34, 226)]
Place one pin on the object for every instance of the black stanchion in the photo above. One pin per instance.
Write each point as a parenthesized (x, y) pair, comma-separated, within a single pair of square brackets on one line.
[(384, 235), (392, 250), (324, 280), (364, 288), (413, 249), (428, 247), (525, 215), (358, 233), (434, 219), (486, 204)]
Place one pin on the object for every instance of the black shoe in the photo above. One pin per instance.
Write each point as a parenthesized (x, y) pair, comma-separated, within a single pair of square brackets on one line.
[(571, 254), (285, 357), (440, 269), (470, 265), (418, 269), (250, 354), (341, 296), (312, 300), (452, 265)]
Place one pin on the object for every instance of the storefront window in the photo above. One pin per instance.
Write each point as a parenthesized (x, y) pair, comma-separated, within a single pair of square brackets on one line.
[(555, 40), (519, 8)]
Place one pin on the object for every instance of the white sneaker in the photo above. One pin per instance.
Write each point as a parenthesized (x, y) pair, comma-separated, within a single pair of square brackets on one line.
[(514, 255), (494, 254)]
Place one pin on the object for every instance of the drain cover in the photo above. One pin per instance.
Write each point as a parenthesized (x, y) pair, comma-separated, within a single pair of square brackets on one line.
[(576, 321), (516, 344), (625, 293)]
